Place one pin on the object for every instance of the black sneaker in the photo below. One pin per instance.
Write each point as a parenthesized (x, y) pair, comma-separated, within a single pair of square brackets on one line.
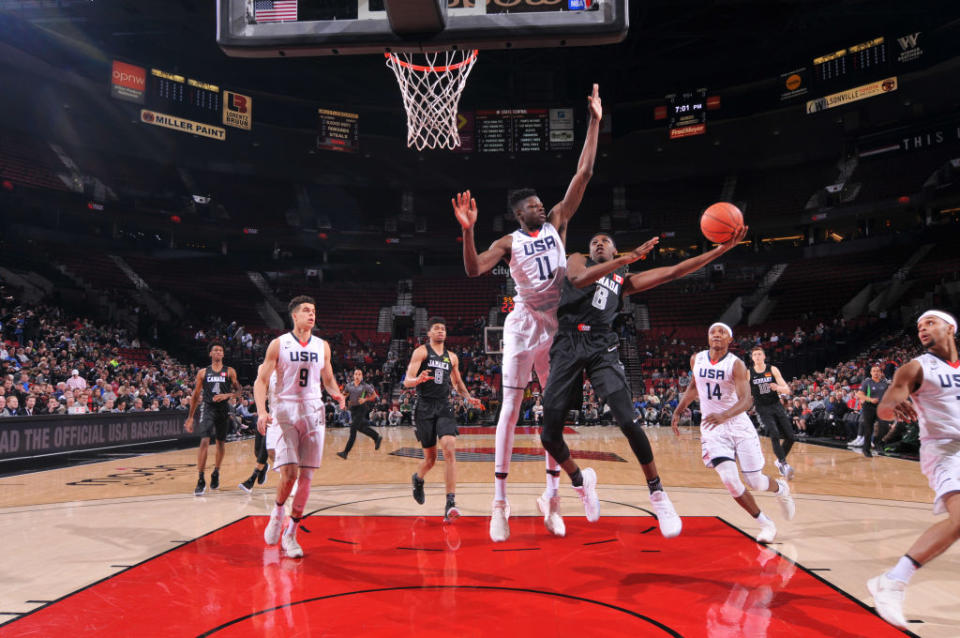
[(342, 455), (247, 486), (418, 494), (215, 480), (201, 487), (377, 444), (262, 476), (866, 450), (451, 513)]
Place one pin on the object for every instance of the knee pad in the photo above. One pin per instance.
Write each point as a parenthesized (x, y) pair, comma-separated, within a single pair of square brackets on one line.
[(639, 442), (757, 480), (551, 435), (731, 478), (303, 489)]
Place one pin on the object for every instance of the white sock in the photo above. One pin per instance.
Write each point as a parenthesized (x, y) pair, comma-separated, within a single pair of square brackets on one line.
[(500, 489), (763, 520), (903, 571), (280, 511), (553, 485), (291, 528)]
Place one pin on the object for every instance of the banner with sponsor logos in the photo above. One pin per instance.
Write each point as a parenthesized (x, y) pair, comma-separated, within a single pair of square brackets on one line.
[(23, 437), (855, 94), (794, 84), (909, 47), (237, 110), (184, 126), (128, 82)]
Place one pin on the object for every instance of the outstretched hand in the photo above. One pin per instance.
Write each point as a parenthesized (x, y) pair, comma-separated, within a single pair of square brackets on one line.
[(736, 239), (594, 104), (641, 252), (465, 209)]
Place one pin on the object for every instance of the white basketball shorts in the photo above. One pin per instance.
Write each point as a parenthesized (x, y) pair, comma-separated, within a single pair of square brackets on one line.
[(301, 429), (527, 337), (940, 463), (735, 439)]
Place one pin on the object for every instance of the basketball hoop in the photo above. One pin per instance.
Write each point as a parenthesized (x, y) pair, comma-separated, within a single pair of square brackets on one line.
[(431, 93)]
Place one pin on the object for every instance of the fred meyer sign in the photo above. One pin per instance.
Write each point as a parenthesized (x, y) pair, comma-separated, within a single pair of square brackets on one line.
[(182, 125)]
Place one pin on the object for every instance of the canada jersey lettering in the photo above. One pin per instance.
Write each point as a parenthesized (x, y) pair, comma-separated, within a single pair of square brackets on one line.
[(214, 383), (760, 382), (437, 388), (594, 305)]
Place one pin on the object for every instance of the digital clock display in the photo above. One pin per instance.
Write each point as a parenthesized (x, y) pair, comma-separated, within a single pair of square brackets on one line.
[(506, 304)]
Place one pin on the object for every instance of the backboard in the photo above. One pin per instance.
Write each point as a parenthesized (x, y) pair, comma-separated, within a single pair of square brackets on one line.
[(280, 28)]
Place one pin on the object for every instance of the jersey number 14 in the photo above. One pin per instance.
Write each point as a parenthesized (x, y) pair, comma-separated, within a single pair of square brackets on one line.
[(715, 393)]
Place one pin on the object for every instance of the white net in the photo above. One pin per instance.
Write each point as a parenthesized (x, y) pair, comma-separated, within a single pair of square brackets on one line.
[(431, 89)]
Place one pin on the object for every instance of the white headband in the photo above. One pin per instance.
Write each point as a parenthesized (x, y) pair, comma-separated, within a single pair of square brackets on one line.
[(939, 315), (729, 329)]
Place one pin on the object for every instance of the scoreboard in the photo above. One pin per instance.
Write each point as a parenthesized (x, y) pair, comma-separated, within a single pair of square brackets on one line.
[(687, 113), (847, 66), (520, 130), (338, 131), (184, 97)]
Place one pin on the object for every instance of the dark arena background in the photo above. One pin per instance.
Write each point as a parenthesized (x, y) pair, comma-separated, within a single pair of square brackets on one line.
[(173, 173)]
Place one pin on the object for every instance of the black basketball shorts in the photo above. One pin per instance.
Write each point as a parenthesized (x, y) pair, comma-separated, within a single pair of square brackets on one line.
[(213, 423), (433, 420), (574, 353)]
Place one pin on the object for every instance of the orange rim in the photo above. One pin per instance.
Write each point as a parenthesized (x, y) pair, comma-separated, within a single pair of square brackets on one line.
[(423, 69)]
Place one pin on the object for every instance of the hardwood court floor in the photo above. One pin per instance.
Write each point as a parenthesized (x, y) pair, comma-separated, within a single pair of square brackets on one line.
[(69, 528)]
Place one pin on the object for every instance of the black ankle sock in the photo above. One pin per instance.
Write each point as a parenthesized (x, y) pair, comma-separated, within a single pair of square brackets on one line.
[(253, 477), (655, 485), (577, 478), (451, 498), (201, 476)]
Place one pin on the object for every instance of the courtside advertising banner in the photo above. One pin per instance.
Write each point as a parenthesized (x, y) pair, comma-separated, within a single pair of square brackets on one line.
[(128, 82)]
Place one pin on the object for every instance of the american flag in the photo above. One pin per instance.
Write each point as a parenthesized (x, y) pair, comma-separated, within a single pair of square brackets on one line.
[(274, 10)]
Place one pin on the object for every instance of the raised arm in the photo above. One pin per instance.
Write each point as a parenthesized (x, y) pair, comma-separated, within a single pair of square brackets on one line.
[(582, 276), (562, 212), (895, 401), (465, 210), (457, 381), (781, 386), (656, 276), (741, 379)]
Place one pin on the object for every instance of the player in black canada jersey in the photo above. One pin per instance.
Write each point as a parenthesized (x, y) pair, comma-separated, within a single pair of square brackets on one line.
[(216, 385), (585, 342), (767, 385), (433, 370)]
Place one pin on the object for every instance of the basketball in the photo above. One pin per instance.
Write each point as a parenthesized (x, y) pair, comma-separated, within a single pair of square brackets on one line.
[(720, 222)]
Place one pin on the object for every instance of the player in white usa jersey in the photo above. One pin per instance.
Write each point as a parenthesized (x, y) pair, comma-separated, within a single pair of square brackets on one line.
[(722, 384), (535, 253), (302, 364), (932, 381)]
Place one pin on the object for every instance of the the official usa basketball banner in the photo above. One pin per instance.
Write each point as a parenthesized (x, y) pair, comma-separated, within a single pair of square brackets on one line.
[(180, 124), (128, 82), (25, 437), (237, 110)]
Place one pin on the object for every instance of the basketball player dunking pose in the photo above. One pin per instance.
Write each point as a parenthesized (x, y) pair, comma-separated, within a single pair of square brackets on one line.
[(722, 384), (302, 364), (767, 385), (932, 381), (432, 370), (537, 260), (592, 296), (214, 413)]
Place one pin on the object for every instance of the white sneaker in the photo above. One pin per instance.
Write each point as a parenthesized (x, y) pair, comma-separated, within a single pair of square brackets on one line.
[(888, 599), (550, 508), (499, 524), (857, 442), (290, 545), (274, 528), (767, 533), (787, 506), (588, 494), (670, 523)]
